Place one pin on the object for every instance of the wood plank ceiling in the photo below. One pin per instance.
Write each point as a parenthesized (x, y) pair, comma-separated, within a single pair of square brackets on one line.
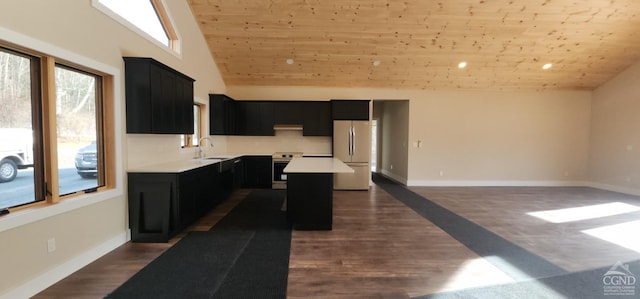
[(419, 43)]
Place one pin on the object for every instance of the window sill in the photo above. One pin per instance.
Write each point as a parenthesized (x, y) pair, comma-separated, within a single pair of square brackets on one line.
[(30, 215)]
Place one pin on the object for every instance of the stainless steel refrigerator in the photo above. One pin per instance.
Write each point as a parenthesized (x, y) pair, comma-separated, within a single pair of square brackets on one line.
[(352, 145)]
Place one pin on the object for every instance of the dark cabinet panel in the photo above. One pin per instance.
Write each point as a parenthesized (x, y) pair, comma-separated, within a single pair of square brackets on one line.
[(163, 89), (254, 118), (238, 173), (159, 99), (289, 112), (222, 118), (184, 112), (310, 200), (152, 200), (257, 171), (317, 119), (350, 109)]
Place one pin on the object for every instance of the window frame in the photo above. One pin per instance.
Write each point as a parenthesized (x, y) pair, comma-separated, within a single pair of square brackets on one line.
[(174, 45), (188, 138), (35, 73), (99, 106), (45, 132)]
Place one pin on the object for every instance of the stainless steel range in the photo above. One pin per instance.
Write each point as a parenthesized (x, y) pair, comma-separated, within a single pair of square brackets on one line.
[(279, 162)]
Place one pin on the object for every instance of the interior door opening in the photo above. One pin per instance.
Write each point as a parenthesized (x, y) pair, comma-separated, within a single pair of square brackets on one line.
[(374, 144)]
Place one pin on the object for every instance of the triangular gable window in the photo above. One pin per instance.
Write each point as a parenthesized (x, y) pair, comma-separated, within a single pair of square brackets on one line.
[(148, 16)]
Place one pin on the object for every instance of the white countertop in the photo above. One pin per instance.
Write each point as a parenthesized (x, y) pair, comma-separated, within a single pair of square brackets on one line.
[(317, 165), (177, 166)]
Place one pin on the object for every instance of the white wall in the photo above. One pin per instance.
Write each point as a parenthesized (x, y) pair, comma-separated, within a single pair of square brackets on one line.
[(615, 133), (500, 138), (88, 226)]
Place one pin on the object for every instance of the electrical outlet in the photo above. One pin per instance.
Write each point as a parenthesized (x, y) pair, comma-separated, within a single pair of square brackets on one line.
[(51, 245), (441, 173), (391, 166), (566, 173)]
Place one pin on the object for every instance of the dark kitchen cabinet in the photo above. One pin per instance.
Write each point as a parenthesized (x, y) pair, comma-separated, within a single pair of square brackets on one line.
[(317, 119), (257, 118), (198, 191), (238, 173), (159, 100), (257, 171), (350, 109), (222, 112), (289, 112), (254, 118), (163, 204), (152, 198), (310, 200)]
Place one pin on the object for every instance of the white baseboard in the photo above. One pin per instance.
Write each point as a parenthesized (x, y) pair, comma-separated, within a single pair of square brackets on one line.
[(54, 275), (613, 188), (463, 183), (394, 177), (437, 183)]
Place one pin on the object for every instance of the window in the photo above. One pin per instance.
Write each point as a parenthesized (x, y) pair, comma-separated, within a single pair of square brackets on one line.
[(147, 17), (77, 136), (19, 99), (188, 140), (52, 129)]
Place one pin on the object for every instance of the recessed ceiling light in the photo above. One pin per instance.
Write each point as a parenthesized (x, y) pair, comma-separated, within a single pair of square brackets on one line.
[(547, 66), (462, 65), (289, 61), (376, 62)]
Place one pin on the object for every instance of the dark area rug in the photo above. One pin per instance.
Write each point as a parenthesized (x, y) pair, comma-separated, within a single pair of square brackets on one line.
[(245, 255)]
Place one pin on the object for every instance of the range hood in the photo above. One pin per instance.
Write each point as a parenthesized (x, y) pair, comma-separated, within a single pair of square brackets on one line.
[(284, 127)]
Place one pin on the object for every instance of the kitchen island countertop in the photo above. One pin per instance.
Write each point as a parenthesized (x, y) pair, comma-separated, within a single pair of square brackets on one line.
[(317, 165)]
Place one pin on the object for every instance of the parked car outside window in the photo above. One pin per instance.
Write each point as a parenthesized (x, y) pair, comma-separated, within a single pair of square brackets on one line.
[(16, 152), (87, 161)]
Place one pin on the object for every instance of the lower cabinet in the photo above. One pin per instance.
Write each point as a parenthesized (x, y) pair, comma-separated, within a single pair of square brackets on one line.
[(163, 204), (152, 200), (257, 172)]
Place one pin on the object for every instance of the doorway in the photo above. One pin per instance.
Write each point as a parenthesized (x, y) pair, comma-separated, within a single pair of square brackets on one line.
[(374, 144)]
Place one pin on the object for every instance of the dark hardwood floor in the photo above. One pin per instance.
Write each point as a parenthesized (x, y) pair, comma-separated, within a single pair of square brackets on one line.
[(379, 248)]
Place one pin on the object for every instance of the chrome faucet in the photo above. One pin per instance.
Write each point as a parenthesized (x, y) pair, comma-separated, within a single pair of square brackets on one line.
[(199, 151)]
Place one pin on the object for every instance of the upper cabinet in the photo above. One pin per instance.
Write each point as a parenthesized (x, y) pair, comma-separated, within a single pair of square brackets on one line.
[(159, 99), (254, 118), (350, 109), (289, 112), (221, 115), (257, 118), (249, 118), (317, 119)]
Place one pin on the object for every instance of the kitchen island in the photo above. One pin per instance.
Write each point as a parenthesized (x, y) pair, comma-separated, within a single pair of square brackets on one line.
[(310, 191)]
